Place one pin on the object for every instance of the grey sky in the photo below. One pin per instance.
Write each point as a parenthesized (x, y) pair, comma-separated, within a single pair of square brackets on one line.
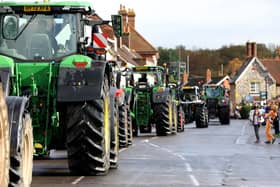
[(200, 23)]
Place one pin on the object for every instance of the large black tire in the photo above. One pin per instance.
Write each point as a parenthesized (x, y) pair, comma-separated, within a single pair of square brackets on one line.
[(180, 119), (224, 115), (114, 153), (88, 135), (123, 127), (4, 142), (21, 146), (129, 127), (174, 118), (201, 117), (163, 117)]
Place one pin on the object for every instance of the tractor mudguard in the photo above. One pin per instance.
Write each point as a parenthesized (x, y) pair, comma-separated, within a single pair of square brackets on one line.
[(80, 84), (160, 97)]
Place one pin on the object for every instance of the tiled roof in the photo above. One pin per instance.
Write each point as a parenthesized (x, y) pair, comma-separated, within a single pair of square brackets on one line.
[(139, 43), (242, 68), (128, 55), (108, 29), (273, 67)]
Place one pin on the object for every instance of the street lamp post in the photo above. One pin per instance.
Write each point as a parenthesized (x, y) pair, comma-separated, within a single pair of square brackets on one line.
[(266, 77)]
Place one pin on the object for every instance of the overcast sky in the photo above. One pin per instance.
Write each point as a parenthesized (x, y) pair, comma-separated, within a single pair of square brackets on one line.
[(200, 23)]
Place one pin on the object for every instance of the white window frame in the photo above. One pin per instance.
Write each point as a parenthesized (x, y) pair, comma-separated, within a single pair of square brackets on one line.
[(255, 87)]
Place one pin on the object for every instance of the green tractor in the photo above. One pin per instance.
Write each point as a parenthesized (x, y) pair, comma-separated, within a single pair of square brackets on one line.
[(194, 108), (47, 51), (217, 102), (176, 72), (153, 102), (123, 103)]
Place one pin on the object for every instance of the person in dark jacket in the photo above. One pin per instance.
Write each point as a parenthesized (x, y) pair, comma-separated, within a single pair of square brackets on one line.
[(256, 123)]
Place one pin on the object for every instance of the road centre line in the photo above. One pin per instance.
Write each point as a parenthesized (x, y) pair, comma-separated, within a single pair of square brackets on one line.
[(154, 145), (123, 149), (78, 180), (194, 180), (238, 140), (180, 156), (188, 167)]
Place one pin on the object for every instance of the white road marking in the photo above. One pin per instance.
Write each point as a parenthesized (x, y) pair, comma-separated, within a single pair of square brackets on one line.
[(194, 180), (154, 145), (240, 139), (145, 141), (78, 180), (181, 157), (188, 167), (123, 149)]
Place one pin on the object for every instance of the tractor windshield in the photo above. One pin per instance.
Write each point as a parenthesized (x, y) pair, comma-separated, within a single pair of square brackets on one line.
[(212, 92), (150, 78), (190, 93), (38, 37)]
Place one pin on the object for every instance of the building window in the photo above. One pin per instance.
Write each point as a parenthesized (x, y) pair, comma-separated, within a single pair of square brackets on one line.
[(255, 87)]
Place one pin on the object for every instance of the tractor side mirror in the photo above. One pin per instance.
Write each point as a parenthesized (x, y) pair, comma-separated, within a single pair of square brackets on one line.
[(10, 27)]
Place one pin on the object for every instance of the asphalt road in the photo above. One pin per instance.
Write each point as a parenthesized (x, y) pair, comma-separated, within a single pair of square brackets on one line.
[(210, 157)]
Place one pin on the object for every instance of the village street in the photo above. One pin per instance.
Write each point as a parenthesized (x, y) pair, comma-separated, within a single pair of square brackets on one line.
[(209, 157)]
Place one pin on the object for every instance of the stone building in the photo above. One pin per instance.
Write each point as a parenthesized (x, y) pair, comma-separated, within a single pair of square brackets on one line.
[(253, 81)]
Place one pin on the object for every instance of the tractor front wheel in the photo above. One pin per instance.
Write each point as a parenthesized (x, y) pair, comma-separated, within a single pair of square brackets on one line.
[(4, 142), (21, 142)]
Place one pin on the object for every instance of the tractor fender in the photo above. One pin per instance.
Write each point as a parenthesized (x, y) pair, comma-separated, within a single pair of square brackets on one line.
[(161, 97), (81, 84)]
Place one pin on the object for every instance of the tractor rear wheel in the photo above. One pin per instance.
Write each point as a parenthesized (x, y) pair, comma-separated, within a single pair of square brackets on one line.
[(129, 127), (123, 129), (4, 142), (21, 147), (201, 117), (174, 119), (181, 119), (88, 135), (114, 153), (224, 116), (163, 117)]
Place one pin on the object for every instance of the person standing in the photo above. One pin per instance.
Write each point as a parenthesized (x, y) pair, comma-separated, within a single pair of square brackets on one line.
[(256, 118), (269, 120)]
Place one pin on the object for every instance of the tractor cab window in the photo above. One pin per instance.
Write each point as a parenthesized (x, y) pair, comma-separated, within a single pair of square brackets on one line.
[(40, 37), (213, 91), (147, 78)]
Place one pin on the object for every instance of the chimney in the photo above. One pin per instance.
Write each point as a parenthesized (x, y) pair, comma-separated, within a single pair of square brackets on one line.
[(131, 18), (126, 36), (185, 78), (254, 49), (123, 13), (208, 76), (248, 49)]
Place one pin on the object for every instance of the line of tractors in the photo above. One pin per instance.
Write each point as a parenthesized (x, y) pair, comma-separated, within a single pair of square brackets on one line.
[(63, 94)]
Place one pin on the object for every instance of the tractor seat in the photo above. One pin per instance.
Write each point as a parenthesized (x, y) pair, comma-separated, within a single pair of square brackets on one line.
[(40, 47)]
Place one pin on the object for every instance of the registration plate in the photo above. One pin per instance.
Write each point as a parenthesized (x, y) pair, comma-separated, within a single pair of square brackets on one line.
[(37, 9)]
